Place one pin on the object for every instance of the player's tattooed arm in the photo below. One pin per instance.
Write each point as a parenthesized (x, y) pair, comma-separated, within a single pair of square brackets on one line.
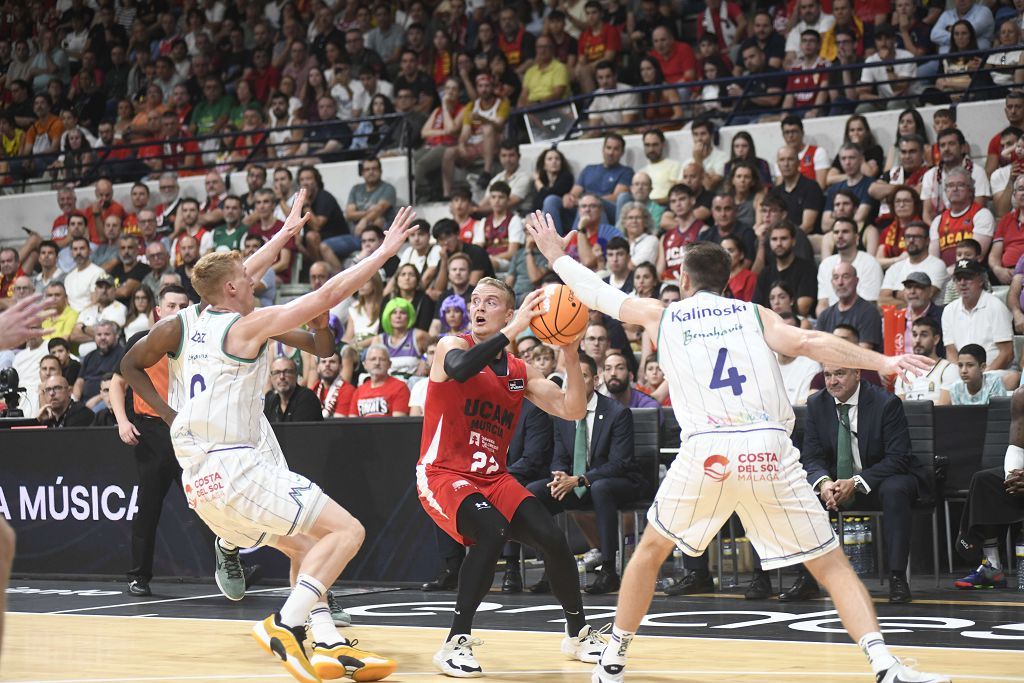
[(163, 339)]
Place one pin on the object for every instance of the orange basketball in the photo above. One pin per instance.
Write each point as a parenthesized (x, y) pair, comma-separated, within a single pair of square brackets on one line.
[(565, 319)]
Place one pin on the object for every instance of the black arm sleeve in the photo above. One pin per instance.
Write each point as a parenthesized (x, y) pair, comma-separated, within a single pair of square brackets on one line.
[(461, 365)]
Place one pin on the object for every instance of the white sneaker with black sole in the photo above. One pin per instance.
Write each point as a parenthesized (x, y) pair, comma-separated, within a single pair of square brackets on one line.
[(904, 672), (455, 658), (587, 646)]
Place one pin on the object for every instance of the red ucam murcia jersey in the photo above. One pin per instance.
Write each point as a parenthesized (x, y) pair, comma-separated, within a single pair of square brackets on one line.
[(675, 241), (468, 426)]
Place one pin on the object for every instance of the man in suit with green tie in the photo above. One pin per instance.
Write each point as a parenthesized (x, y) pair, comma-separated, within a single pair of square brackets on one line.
[(593, 467), (857, 455)]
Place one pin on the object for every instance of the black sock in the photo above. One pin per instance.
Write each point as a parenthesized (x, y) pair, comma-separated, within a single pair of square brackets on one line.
[(479, 521)]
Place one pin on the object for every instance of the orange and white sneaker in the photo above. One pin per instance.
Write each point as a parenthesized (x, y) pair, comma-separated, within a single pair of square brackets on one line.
[(286, 644), (344, 660)]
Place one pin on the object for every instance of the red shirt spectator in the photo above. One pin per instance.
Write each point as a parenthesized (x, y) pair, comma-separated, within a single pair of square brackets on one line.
[(383, 401), (177, 153), (336, 398), (95, 222), (1011, 233), (712, 20), (592, 48), (679, 61), (7, 283)]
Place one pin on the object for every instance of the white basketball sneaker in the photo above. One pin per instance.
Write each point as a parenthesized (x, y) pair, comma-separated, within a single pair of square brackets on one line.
[(455, 658), (587, 646), (901, 672)]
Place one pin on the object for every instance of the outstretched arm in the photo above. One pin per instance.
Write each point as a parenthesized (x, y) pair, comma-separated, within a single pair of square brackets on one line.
[(256, 266), (164, 338), (828, 348), (247, 335), (319, 340), (569, 403), (587, 286)]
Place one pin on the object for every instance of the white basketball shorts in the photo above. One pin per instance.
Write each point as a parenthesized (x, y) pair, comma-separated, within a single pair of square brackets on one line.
[(245, 494), (755, 473)]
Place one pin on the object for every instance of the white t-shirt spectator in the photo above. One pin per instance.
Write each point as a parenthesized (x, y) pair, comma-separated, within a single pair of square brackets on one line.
[(115, 312), (879, 76), (520, 182), (422, 261), (605, 101), (869, 274), (361, 100), (987, 324), (929, 386), (79, 285), (1000, 179), (982, 188), (714, 163), (932, 265), (644, 250), (824, 23), (797, 376)]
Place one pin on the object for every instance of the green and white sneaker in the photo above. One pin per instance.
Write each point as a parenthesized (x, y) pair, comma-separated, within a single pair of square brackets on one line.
[(229, 575), (340, 616)]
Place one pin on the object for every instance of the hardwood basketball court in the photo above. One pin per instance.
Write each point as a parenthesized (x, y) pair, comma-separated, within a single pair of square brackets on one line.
[(92, 632)]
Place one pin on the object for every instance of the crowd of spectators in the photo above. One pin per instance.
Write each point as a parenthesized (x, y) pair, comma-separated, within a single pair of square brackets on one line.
[(101, 92), (125, 89)]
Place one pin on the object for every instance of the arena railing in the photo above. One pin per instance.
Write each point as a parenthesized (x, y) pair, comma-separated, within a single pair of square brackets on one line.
[(134, 169), (581, 127)]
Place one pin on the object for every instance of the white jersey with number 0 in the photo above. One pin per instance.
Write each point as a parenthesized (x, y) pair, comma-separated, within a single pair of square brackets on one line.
[(177, 392), (225, 392), (720, 372)]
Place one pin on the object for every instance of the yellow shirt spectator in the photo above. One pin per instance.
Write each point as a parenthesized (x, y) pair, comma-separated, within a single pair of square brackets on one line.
[(541, 83), (62, 325)]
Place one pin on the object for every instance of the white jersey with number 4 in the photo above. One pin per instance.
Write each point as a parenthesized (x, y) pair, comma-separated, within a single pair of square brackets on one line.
[(720, 372), (225, 393)]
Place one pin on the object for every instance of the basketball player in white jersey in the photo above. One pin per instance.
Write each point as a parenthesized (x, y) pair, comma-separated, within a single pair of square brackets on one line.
[(718, 356), (234, 473), (165, 340)]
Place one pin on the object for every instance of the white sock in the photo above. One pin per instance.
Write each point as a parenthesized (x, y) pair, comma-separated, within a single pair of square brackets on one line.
[(615, 653), (307, 592), (225, 546), (323, 626), (878, 654), (991, 550)]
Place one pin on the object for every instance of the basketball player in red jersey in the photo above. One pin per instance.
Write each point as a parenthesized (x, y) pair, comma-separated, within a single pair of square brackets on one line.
[(472, 406)]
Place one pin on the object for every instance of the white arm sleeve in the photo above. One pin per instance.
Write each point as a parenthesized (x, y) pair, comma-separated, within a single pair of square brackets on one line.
[(1014, 460), (588, 287)]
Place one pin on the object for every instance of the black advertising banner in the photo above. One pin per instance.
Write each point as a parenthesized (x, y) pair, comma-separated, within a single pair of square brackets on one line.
[(71, 495)]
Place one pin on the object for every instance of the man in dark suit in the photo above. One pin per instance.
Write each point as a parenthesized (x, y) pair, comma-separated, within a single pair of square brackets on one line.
[(856, 451), (529, 459), (593, 466)]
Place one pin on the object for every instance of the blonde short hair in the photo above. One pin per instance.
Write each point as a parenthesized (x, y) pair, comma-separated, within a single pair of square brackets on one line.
[(212, 271), (510, 296)]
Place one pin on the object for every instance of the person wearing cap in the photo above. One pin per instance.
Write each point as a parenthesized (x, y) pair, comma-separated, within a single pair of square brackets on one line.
[(104, 307), (482, 123), (881, 85), (925, 339), (918, 261), (405, 343), (918, 293), (977, 386), (977, 317)]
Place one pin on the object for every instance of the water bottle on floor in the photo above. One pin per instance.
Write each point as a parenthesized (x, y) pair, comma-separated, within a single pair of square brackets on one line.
[(869, 546), (1020, 564), (728, 562), (860, 543), (581, 569), (677, 560)]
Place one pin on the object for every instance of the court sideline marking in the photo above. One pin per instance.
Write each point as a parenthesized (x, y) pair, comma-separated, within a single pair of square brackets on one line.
[(149, 602)]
